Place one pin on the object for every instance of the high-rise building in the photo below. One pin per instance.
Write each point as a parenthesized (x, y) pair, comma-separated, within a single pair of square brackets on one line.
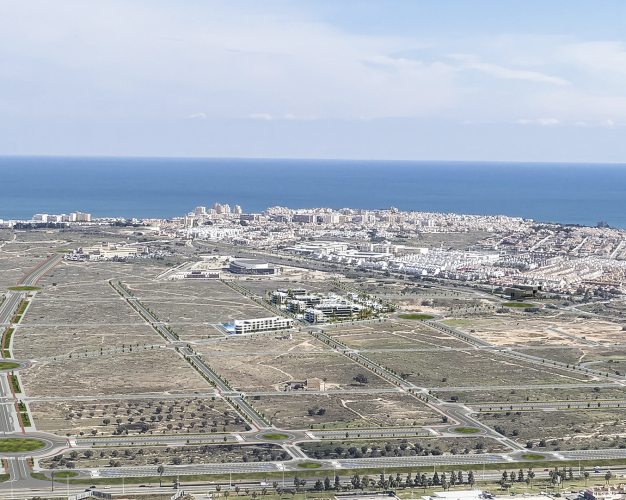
[(218, 208), (226, 208), (237, 209), (200, 211)]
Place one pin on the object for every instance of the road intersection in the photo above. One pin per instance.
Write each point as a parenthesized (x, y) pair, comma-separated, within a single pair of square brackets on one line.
[(458, 415)]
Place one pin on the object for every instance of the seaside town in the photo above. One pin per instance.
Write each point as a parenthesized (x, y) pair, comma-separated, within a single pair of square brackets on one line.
[(495, 250)]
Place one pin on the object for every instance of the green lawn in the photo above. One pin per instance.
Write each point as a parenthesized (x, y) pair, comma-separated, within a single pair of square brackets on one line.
[(6, 365), (275, 436), (467, 430), (532, 456), (65, 473), (309, 465), (18, 445), (415, 316), (24, 288), (4, 477), (517, 304)]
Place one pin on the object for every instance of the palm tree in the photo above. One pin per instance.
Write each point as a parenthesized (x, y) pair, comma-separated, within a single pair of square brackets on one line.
[(160, 471), (237, 489)]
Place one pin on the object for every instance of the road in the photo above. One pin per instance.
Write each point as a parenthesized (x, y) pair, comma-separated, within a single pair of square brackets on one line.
[(458, 414)]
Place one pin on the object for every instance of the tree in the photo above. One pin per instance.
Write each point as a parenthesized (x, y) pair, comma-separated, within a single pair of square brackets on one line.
[(436, 481), (520, 476), (237, 490), (337, 482), (106, 421), (361, 379), (531, 476), (160, 471), (608, 476), (326, 483), (470, 478), (453, 478), (460, 477), (319, 486), (586, 475)]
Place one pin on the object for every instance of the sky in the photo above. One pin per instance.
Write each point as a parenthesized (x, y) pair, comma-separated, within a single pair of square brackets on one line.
[(356, 79)]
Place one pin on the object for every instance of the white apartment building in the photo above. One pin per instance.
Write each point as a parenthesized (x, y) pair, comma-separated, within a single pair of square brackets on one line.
[(262, 324), (80, 217), (237, 209)]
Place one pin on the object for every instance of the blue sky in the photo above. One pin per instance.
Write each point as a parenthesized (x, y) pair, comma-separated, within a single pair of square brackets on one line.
[(415, 80)]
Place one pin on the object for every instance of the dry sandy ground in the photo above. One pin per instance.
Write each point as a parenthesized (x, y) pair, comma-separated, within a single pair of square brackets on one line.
[(298, 342), (158, 371), (345, 410), (269, 372), (520, 336)]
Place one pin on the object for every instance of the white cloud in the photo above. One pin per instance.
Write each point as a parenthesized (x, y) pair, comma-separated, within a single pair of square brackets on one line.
[(540, 121), (261, 116), (514, 74), (197, 115)]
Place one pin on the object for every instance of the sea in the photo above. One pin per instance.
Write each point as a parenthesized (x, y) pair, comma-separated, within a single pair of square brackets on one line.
[(580, 193)]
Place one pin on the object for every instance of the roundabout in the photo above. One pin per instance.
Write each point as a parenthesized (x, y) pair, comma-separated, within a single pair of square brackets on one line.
[(275, 436), (415, 316), (13, 364)]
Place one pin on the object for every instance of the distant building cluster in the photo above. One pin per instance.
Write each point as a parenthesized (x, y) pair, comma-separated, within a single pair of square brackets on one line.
[(320, 308)]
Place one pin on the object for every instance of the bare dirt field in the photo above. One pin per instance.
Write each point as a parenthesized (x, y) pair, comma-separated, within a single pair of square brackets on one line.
[(214, 310), (181, 289), (401, 447), (514, 336), (322, 411), (562, 429), (472, 368), (393, 335), (516, 317), (196, 414), (537, 394), (604, 334), (270, 372), (158, 371), (184, 455), (271, 342), (80, 291), (574, 356), (34, 342), (79, 312)]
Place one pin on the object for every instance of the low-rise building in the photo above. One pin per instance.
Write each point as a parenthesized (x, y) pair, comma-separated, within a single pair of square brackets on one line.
[(262, 324)]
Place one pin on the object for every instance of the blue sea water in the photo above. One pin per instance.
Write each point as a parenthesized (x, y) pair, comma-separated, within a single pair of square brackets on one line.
[(167, 187)]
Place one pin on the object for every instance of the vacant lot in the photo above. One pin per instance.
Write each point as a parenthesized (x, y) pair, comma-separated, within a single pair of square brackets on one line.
[(574, 356), (613, 391), (604, 334), (617, 309), (273, 342), (514, 336), (133, 457), (79, 291), (34, 342), (562, 429), (359, 448), (471, 368), (181, 289), (79, 312), (270, 372), (394, 335), (106, 417), (321, 411), (207, 310), (158, 371)]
